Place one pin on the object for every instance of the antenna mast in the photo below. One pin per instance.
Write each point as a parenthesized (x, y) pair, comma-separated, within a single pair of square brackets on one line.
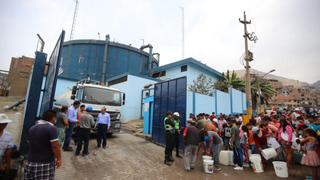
[(182, 28), (74, 20)]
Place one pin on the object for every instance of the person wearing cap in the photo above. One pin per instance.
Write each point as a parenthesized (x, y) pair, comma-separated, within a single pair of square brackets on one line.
[(72, 115), (104, 123), (85, 124), (44, 154), (169, 126), (177, 126), (6, 145), (191, 139)]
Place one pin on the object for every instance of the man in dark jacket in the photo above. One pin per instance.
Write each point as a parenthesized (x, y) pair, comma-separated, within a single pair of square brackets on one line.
[(169, 126), (191, 140)]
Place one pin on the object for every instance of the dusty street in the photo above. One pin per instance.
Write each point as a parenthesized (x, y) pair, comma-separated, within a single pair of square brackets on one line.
[(130, 157)]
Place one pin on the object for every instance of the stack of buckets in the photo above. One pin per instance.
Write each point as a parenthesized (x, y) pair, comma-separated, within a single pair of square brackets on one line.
[(207, 164)]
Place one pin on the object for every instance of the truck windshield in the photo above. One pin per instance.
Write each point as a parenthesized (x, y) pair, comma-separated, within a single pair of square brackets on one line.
[(95, 95)]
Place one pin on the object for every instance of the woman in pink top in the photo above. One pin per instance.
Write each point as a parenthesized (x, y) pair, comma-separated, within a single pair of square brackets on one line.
[(285, 135)]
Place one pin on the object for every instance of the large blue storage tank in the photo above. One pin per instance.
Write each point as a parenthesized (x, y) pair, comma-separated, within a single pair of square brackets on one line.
[(81, 58)]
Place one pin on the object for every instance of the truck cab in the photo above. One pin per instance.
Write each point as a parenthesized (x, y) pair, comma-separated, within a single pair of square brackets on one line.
[(97, 96)]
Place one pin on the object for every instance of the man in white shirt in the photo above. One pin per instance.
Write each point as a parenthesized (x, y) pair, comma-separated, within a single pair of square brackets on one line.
[(104, 124)]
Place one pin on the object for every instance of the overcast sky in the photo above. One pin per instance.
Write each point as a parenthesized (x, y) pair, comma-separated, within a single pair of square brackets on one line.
[(288, 30)]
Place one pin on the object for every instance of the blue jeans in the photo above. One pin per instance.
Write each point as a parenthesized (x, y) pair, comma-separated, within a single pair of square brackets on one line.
[(69, 131), (237, 156), (253, 149), (215, 153)]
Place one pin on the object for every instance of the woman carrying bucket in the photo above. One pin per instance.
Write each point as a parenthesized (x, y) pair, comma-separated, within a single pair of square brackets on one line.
[(310, 157), (285, 138)]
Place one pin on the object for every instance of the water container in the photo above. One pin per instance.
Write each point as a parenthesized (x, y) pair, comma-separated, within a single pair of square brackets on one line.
[(226, 158), (206, 158), (208, 166), (269, 153), (255, 160), (281, 169)]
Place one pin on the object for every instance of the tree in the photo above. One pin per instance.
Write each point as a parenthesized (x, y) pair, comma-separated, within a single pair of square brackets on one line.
[(202, 85), (261, 88), (229, 80)]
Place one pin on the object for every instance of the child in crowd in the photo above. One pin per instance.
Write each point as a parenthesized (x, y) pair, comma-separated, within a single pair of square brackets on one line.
[(226, 134), (310, 157), (244, 142), (221, 122)]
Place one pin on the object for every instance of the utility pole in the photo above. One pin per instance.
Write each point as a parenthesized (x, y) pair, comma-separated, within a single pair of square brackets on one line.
[(182, 29), (247, 58)]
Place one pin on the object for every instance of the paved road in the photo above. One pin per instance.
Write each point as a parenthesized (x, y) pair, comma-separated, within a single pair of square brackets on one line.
[(130, 157)]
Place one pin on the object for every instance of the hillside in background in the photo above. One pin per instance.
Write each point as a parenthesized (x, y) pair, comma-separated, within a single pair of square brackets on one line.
[(283, 80), (316, 84)]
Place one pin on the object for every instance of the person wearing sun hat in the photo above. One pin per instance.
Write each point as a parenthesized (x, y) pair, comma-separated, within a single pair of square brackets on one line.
[(6, 144)]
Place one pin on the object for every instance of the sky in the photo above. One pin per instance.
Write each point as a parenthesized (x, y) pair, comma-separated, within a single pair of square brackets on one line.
[(288, 31)]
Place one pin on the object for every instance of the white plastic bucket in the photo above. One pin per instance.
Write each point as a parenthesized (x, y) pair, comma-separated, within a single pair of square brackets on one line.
[(206, 158), (269, 153), (281, 169), (255, 159), (208, 166), (226, 158)]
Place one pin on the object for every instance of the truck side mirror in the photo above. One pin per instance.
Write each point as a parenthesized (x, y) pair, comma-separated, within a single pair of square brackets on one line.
[(74, 90), (73, 97), (123, 99)]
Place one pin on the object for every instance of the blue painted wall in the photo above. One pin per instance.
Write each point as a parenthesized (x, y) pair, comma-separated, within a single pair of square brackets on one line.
[(237, 101), (132, 88), (221, 102)]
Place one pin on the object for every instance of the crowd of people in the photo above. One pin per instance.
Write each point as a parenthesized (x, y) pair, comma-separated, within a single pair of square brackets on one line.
[(292, 133), (53, 132)]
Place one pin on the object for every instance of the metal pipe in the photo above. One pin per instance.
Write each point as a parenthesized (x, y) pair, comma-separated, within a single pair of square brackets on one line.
[(42, 42), (104, 65), (150, 55), (157, 57)]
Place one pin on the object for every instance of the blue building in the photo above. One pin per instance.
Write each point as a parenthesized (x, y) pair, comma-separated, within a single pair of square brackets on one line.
[(133, 71), (189, 67)]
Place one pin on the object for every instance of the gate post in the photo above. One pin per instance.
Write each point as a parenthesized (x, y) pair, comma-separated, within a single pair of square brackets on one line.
[(32, 98)]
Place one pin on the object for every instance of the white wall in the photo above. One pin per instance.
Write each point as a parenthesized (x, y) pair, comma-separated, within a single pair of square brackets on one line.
[(132, 88)]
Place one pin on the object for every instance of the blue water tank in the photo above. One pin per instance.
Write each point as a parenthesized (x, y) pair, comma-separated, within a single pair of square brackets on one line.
[(81, 58)]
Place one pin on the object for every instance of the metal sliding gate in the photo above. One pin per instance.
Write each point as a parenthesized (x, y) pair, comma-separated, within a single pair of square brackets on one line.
[(33, 96), (168, 96)]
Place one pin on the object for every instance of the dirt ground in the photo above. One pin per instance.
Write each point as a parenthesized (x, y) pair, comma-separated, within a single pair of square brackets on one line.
[(131, 157)]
